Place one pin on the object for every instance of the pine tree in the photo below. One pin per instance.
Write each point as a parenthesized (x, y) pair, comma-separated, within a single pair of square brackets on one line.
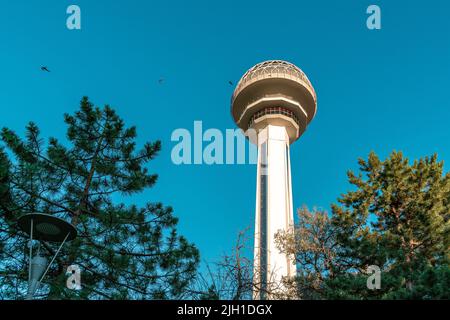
[(397, 219), (124, 251), (7, 230)]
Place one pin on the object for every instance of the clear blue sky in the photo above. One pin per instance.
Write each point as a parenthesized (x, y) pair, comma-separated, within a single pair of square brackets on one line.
[(377, 90)]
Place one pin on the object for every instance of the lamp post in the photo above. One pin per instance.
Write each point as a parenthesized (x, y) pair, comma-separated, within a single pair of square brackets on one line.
[(43, 228)]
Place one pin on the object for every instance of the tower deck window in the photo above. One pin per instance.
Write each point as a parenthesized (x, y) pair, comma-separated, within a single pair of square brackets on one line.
[(273, 110)]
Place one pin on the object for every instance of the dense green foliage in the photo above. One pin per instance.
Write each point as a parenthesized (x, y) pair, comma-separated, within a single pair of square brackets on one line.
[(124, 251), (396, 218)]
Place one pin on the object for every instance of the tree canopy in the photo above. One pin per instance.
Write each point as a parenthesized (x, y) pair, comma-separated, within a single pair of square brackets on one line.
[(396, 217), (124, 251)]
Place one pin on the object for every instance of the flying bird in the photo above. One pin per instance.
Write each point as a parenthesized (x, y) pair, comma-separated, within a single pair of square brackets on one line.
[(230, 83), (45, 69), (161, 81)]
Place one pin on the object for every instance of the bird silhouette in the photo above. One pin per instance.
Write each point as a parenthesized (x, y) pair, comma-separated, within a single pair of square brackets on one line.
[(230, 83), (161, 81), (45, 69)]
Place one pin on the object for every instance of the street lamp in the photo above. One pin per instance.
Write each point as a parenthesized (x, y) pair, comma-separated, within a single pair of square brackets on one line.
[(44, 228)]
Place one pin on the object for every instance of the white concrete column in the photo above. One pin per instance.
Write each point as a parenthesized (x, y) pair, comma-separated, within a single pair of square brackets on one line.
[(273, 207)]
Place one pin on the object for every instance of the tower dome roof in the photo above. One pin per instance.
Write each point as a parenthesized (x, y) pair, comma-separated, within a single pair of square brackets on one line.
[(273, 69)]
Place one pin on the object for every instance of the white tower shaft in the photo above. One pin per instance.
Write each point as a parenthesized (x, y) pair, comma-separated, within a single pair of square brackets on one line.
[(274, 210)]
